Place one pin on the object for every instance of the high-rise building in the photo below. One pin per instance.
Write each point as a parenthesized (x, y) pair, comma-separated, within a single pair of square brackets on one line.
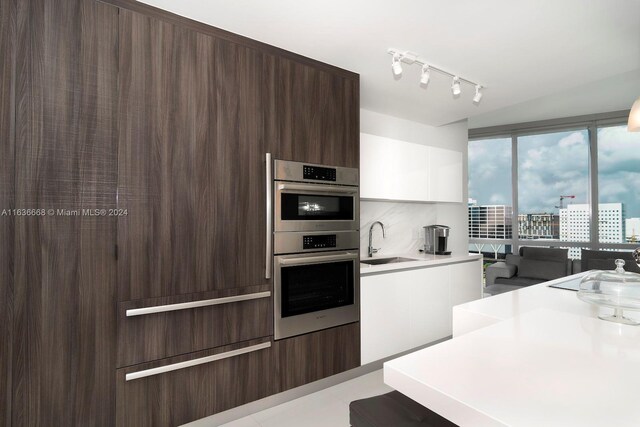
[(632, 230), (538, 226), (490, 221), (575, 224)]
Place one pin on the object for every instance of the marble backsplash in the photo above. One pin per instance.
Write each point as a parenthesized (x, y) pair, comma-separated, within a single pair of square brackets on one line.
[(403, 224)]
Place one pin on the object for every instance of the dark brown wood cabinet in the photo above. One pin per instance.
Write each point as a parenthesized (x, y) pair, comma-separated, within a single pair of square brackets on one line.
[(307, 358), (315, 115), (64, 318), (191, 392), (187, 323), (164, 123), (191, 161), (7, 159)]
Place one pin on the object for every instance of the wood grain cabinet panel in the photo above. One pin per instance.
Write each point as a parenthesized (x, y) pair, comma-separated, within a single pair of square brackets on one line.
[(191, 161), (64, 330), (315, 115), (148, 337), (177, 397), (307, 358), (7, 195)]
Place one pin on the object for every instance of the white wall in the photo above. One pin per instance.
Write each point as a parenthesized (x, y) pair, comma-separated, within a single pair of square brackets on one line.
[(603, 96), (404, 221)]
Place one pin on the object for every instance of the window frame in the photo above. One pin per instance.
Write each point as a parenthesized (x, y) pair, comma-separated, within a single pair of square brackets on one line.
[(589, 122)]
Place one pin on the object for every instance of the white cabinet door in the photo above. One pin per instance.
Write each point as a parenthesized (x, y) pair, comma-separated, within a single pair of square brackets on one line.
[(393, 170), (399, 170), (384, 315), (430, 309), (445, 175), (408, 309), (465, 282)]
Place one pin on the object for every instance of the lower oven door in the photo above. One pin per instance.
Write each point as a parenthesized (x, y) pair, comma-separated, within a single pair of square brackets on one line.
[(315, 291)]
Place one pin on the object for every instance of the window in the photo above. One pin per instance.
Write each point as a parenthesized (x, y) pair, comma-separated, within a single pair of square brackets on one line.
[(553, 186), (618, 190), (555, 182), (490, 209)]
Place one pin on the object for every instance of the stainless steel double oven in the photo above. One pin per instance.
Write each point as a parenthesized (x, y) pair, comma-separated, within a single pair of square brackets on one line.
[(314, 212)]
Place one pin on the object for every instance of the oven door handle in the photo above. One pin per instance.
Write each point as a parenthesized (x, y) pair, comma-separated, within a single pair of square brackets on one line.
[(318, 259), (317, 188)]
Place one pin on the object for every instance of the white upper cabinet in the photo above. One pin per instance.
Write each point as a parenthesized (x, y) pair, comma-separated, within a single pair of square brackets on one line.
[(445, 175), (399, 170), (393, 171)]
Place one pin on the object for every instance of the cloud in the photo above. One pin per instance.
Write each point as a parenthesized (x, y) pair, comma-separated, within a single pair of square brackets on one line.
[(555, 164), (572, 139)]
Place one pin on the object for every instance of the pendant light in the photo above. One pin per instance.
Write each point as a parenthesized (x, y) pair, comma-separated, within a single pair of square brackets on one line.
[(634, 117)]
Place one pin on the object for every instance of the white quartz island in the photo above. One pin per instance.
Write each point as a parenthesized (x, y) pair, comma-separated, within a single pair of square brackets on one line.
[(536, 357)]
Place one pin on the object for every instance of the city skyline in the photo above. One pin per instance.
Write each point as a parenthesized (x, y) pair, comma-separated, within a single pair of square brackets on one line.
[(570, 224)]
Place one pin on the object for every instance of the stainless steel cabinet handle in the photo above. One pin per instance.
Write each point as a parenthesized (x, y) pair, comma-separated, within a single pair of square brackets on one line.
[(310, 260), (195, 362), (317, 188), (269, 239), (194, 304)]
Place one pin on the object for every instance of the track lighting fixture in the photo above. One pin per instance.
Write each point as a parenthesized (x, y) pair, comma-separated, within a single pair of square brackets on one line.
[(455, 86), (395, 65), (425, 76), (478, 96)]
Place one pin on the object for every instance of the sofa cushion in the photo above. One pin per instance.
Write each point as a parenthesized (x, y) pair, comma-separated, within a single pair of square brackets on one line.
[(547, 254), (539, 269), (606, 260), (518, 281)]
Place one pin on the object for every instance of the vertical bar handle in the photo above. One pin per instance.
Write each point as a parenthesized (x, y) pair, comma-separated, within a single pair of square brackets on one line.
[(269, 217)]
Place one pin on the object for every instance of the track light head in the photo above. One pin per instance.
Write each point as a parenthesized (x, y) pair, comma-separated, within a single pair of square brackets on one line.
[(395, 65), (478, 96), (455, 86), (424, 78)]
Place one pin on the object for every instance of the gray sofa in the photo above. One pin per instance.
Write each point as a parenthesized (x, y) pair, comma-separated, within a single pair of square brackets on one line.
[(536, 265), (605, 260), (531, 266)]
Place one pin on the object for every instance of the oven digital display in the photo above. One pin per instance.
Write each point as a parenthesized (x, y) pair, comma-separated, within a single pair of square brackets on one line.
[(319, 242), (312, 207), (318, 173)]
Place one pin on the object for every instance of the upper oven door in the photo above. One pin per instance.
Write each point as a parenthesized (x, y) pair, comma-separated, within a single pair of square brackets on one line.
[(315, 207)]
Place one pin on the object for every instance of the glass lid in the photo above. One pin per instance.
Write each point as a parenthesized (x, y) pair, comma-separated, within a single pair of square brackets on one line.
[(618, 289)]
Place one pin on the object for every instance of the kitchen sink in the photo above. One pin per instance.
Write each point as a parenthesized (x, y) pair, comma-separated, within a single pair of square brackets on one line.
[(380, 261)]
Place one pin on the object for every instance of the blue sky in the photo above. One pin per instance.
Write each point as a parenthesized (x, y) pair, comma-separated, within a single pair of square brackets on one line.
[(554, 164)]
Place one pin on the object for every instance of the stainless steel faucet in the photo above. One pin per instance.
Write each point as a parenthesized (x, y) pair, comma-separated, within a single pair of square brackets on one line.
[(371, 249)]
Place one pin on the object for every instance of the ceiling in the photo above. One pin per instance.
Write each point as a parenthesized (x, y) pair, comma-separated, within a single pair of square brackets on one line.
[(520, 50)]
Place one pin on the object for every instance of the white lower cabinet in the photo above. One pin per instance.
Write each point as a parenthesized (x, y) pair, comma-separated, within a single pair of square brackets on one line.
[(429, 307), (406, 309), (465, 282), (386, 315)]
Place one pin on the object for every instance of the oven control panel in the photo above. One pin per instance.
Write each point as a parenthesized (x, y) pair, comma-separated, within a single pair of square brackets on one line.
[(319, 241), (319, 173)]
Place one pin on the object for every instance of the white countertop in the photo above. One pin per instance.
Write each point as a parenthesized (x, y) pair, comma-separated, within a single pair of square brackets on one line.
[(537, 357), (421, 261), (483, 312)]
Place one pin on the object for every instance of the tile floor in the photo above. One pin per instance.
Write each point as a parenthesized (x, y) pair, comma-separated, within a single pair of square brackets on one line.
[(325, 408)]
